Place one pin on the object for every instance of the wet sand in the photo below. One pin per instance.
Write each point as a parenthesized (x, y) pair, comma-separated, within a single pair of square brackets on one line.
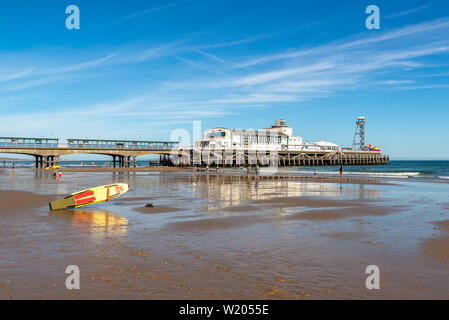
[(12, 201), (110, 169), (437, 246), (227, 171), (155, 210), (221, 237)]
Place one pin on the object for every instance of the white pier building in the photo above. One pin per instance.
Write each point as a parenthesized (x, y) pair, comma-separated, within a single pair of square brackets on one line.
[(278, 137)]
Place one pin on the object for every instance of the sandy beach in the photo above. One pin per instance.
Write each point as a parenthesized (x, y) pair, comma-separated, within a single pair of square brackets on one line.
[(223, 236)]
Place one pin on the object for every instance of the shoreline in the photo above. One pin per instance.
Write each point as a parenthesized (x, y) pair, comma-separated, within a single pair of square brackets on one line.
[(283, 172), (224, 173)]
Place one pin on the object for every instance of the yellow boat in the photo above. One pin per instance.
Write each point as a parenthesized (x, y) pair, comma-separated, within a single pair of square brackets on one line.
[(90, 196)]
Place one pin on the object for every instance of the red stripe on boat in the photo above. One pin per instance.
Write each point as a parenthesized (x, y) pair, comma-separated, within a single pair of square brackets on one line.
[(84, 195), (84, 201)]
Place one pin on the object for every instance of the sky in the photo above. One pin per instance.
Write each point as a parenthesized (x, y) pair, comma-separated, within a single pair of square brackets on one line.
[(145, 69)]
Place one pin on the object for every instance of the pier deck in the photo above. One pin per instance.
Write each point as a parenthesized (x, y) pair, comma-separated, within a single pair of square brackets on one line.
[(124, 153), (229, 158)]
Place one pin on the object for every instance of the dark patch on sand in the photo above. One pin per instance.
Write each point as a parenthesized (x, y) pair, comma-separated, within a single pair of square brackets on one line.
[(291, 202), (156, 209), (346, 236), (438, 247), (241, 208), (361, 211), (239, 221), (12, 201), (217, 223), (146, 198)]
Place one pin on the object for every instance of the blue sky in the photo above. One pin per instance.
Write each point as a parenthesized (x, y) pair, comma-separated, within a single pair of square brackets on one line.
[(141, 69)]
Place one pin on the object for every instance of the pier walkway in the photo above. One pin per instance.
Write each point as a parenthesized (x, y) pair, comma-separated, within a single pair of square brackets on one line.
[(47, 151), (124, 153)]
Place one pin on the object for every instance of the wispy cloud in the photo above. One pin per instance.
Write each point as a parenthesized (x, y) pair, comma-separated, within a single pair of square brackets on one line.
[(409, 11), (255, 38), (388, 82), (151, 10), (283, 73), (359, 41), (14, 75)]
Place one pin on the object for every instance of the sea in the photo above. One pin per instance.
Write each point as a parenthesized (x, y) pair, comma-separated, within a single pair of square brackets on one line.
[(398, 169)]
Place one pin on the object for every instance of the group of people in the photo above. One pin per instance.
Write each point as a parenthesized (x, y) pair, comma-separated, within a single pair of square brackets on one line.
[(315, 173), (257, 171), (57, 174)]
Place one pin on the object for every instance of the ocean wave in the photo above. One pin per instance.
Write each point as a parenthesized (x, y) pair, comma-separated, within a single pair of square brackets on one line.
[(443, 177), (385, 174), (393, 174)]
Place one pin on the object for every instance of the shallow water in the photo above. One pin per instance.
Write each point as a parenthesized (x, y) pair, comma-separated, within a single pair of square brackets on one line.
[(225, 237)]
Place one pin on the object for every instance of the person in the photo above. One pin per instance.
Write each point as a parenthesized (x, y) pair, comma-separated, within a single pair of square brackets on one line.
[(249, 171), (13, 166), (207, 168), (257, 170), (314, 172), (216, 169), (341, 172), (57, 174)]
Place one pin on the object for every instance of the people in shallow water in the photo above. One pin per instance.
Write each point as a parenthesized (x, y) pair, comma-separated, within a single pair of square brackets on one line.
[(341, 172), (57, 174)]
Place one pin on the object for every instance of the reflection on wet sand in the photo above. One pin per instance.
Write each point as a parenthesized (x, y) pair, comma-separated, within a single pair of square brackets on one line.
[(229, 191), (97, 222)]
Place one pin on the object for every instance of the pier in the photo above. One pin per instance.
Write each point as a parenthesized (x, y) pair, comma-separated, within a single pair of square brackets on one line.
[(281, 158), (47, 151), (124, 153)]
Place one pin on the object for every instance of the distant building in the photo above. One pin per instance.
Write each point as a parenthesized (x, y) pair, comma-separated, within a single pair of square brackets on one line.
[(278, 137), (320, 146)]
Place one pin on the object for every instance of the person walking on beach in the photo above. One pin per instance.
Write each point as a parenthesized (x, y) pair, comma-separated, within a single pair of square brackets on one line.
[(341, 172), (257, 171), (216, 169), (314, 172), (249, 171), (207, 168), (57, 174)]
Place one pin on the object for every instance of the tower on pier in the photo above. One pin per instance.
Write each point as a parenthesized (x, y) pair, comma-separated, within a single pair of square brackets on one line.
[(359, 137)]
